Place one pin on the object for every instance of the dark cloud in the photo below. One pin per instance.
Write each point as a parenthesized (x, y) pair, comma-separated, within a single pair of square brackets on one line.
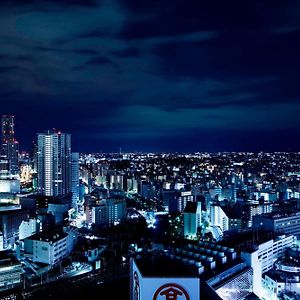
[(86, 51), (96, 33), (10, 69), (99, 60), (128, 52), (180, 17), (152, 73), (57, 2)]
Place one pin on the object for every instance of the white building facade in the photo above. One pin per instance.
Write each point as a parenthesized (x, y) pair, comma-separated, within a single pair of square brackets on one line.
[(51, 249), (263, 258), (191, 219), (28, 228), (218, 217)]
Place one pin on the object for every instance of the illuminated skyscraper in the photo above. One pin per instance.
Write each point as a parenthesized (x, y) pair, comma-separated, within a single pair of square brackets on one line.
[(10, 146), (54, 163), (75, 179)]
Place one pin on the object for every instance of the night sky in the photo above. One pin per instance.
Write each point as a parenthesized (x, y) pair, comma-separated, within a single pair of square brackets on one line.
[(153, 75)]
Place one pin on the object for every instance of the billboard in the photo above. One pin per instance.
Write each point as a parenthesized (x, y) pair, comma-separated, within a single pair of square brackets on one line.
[(162, 288)]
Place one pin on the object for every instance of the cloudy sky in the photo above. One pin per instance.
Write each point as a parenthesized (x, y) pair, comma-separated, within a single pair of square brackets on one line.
[(153, 75)]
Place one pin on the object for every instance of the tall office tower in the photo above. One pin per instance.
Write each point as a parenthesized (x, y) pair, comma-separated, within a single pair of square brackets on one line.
[(54, 163), (34, 156), (10, 146), (75, 179)]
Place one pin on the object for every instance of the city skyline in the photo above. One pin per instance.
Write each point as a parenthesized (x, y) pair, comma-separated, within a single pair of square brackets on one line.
[(153, 76)]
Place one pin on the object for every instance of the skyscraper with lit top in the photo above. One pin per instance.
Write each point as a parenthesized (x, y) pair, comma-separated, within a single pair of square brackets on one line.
[(10, 146), (54, 163)]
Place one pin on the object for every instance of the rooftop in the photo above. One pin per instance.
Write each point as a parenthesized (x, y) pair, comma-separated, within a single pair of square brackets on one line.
[(191, 207), (279, 214), (48, 236), (9, 207), (7, 259), (161, 266), (282, 276)]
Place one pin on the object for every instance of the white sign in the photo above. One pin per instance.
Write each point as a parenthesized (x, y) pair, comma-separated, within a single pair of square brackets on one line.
[(163, 288)]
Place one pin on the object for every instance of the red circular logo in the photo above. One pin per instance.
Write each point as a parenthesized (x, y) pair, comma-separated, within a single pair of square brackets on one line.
[(171, 291)]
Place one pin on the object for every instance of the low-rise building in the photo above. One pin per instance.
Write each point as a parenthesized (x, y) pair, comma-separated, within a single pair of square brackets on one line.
[(10, 269), (28, 228), (279, 222), (159, 278), (285, 274), (263, 257), (50, 248), (11, 217), (196, 270)]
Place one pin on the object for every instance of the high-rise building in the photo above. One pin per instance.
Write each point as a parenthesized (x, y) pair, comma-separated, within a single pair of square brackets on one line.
[(34, 156), (75, 180), (218, 217), (54, 163), (191, 219), (180, 200), (10, 146), (109, 212)]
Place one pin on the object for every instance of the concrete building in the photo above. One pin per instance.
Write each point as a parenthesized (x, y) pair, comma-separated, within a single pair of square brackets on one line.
[(223, 275), (216, 193), (28, 228), (75, 180), (167, 196), (132, 186), (11, 271), (269, 196), (178, 203), (279, 222), (217, 217), (161, 278), (109, 212), (253, 209), (60, 207), (146, 189), (263, 256), (50, 248), (285, 275), (4, 167), (116, 182), (9, 185), (191, 219), (33, 204), (54, 163), (11, 217)]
